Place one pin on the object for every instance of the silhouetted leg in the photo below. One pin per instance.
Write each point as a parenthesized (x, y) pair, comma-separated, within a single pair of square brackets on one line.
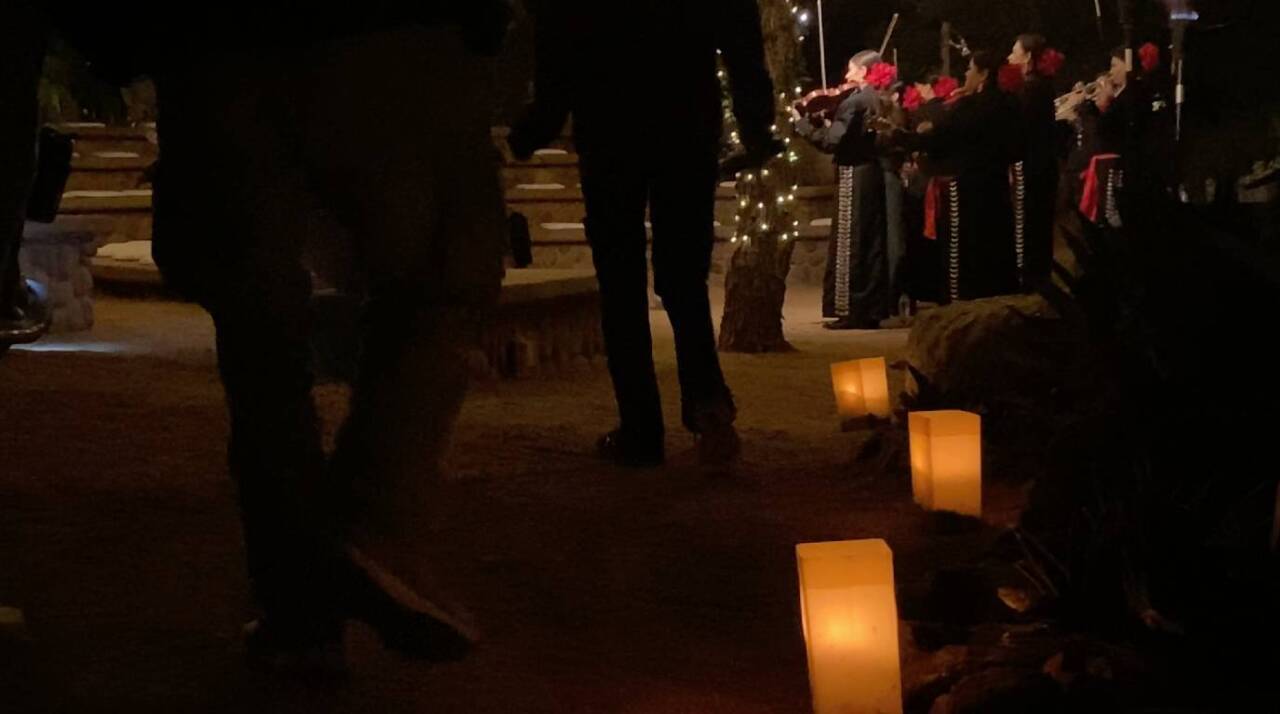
[(616, 192), (414, 181), (683, 213), (233, 194), (22, 40)]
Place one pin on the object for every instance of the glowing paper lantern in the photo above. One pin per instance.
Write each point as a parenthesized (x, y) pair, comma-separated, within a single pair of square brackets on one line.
[(946, 461), (862, 389), (850, 622)]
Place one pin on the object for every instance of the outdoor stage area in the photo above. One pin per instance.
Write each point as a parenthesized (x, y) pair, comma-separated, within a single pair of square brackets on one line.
[(598, 589)]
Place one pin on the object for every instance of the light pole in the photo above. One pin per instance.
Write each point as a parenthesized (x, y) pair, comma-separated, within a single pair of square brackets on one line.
[(822, 47), (1181, 15)]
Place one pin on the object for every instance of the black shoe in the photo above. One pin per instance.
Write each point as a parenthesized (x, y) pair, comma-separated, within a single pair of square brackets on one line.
[(310, 653), (405, 620), (849, 323), (24, 317), (630, 451)]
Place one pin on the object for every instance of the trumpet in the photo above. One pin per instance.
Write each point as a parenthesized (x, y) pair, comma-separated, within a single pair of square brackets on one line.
[(1063, 105)]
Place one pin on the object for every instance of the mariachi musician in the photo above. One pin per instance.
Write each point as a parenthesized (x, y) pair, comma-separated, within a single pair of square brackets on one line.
[(977, 140), (1035, 173), (860, 286), (1116, 111)]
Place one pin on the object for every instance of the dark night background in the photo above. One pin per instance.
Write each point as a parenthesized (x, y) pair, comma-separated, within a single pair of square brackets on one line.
[(1231, 59)]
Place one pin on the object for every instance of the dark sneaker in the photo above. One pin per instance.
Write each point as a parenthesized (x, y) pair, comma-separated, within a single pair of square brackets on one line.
[(318, 655), (405, 620), (630, 451)]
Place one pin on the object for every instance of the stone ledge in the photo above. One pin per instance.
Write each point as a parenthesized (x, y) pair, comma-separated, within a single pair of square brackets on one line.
[(93, 201), (59, 260)]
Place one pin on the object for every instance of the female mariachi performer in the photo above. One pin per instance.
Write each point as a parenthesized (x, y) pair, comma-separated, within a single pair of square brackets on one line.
[(866, 245), (1035, 174), (1117, 110), (925, 101), (976, 140)]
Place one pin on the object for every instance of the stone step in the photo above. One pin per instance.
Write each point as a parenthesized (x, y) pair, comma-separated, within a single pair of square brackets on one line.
[(95, 139), (107, 171), (106, 201), (499, 133), (104, 180), (112, 216)]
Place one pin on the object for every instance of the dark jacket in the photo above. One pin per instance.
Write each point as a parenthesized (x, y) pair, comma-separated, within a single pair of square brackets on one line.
[(980, 134), (1040, 137), (646, 68), (846, 137)]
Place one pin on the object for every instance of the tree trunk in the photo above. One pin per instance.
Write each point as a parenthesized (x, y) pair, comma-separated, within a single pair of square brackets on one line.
[(755, 290), (756, 284)]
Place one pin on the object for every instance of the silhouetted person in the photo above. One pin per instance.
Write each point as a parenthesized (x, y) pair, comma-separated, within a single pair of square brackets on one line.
[(22, 44), (639, 79), (376, 116)]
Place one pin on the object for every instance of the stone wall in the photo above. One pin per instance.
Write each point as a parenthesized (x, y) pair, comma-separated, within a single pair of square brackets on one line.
[(60, 261)]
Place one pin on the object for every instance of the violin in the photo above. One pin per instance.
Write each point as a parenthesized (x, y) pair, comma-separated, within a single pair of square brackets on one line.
[(822, 103)]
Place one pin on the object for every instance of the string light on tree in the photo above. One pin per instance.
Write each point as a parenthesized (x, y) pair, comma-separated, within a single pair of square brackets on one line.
[(756, 279)]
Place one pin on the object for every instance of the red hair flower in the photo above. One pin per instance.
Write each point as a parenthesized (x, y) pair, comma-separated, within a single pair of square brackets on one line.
[(882, 75), (1149, 54), (1050, 63), (911, 99), (1011, 78), (945, 87)]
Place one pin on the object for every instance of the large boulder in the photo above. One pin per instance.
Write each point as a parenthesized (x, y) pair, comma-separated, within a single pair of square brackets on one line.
[(1015, 361), (1007, 351)]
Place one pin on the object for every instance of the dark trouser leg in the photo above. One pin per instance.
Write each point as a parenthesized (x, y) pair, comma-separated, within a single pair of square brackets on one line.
[(1041, 197), (22, 40), (922, 255), (829, 274), (895, 237), (414, 184), (233, 194), (869, 285), (988, 261), (616, 192), (683, 211)]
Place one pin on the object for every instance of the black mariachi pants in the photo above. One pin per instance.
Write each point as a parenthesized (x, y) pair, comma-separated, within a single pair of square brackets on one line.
[(867, 248), (677, 185)]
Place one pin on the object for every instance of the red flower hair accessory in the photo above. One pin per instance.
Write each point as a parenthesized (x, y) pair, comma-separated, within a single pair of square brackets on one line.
[(1011, 78), (911, 99), (882, 75), (1050, 62), (945, 87), (1149, 54)]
